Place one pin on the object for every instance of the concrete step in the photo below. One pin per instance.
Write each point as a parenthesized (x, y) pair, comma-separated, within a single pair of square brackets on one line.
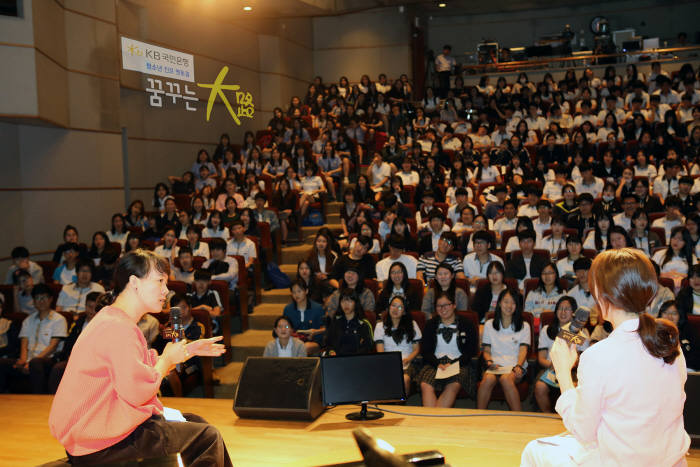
[(294, 254), (290, 270), (333, 207), (335, 228), (265, 315), (333, 218), (279, 296), (230, 373), (250, 343)]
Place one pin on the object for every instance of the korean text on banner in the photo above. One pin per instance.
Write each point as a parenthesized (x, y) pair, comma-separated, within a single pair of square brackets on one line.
[(155, 60)]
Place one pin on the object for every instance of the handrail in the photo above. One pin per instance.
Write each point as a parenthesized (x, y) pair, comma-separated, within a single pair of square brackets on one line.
[(508, 66)]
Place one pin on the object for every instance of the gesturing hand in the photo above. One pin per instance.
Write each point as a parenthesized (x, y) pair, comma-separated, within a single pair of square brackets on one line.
[(205, 347)]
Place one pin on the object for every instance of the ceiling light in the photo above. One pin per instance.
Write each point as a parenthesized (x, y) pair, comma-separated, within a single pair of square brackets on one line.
[(442, 4), (247, 8)]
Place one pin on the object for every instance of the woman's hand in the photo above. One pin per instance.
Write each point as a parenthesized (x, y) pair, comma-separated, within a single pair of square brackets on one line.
[(205, 347), (563, 356), (518, 372)]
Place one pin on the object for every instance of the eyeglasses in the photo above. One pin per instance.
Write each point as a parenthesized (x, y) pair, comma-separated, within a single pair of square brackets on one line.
[(444, 306), (548, 273), (397, 307), (283, 326), (41, 298), (449, 242)]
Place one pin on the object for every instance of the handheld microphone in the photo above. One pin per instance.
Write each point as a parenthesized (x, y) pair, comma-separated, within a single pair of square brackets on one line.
[(178, 331), (572, 335)]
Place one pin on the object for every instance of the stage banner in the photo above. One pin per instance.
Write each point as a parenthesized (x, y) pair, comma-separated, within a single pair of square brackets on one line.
[(154, 60)]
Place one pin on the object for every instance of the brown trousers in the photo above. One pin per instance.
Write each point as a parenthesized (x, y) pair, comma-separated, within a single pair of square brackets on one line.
[(199, 444)]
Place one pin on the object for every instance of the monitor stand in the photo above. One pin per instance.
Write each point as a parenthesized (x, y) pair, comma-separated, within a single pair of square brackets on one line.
[(364, 414)]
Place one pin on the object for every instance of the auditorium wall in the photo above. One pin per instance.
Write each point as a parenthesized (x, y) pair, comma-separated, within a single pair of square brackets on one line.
[(371, 42)]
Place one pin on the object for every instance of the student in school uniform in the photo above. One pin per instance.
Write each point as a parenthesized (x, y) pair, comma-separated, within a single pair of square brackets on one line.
[(284, 343)]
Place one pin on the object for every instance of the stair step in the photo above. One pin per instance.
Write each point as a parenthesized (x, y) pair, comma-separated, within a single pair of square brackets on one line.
[(250, 343), (265, 315), (294, 254), (290, 270), (335, 227), (281, 296), (333, 218), (230, 373)]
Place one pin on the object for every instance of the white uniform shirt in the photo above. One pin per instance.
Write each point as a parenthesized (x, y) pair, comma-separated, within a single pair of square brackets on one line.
[(72, 297), (505, 343), (619, 411), (383, 266), (474, 268), (245, 248), (390, 345), (39, 332)]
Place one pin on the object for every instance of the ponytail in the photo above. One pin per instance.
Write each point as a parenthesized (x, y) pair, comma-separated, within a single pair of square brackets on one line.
[(660, 337), (105, 299)]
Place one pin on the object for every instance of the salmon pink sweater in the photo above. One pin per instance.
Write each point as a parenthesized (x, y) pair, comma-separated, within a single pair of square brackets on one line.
[(109, 386)]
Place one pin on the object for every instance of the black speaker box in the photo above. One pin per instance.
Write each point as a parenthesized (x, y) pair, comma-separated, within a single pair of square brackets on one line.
[(286, 388)]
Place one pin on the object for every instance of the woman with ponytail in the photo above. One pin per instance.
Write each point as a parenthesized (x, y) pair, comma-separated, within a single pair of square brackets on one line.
[(627, 408), (106, 409)]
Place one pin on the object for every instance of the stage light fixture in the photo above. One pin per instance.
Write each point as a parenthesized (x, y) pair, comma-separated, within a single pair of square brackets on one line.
[(247, 8), (442, 5)]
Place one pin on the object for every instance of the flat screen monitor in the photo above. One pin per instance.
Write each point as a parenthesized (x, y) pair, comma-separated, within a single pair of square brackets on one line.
[(354, 379)]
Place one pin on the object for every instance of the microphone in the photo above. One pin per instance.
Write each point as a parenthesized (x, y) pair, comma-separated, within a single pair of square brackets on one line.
[(572, 335), (178, 331)]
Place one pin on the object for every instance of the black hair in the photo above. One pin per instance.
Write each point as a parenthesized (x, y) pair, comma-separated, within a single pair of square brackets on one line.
[(354, 296), (19, 252), (178, 298), (156, 200), (517, 315), (41, 289), (217, 244), (557, 286), (686, 252), (405, 327), (202, 275), (137, 263), (92, 296), (277, 321)]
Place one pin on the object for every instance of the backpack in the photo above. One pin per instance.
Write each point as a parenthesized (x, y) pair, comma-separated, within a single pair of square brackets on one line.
[(313, 219), (278, 279)]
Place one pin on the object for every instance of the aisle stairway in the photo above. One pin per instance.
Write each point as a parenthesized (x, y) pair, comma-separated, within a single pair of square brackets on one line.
[(252, 342)]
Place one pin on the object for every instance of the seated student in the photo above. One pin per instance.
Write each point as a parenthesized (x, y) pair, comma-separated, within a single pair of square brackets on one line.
[(486, 296), (204, 298), (397, 332), (568, 206), (240, 245), (265, 215), (554, 242), (465, 222), (553, 189), (526, 265), (666, 184), (70, 236), (61, 357), (619, 238), (40, 338), (429, 261), (448, 339), (306, 318), (72, 296), (524, 223), (118, 232), (348, 332), (222, 267), (477, 262), (397, 284), (547, 385), (688, 337), (215, 227), (357, 258), (599, 238), (481, 224), (629, 206), (673, 217), (150, 327), (152, 232), (366, 228), (566, 264), (546, 295), (352, 279), (400, 228), (494, 203), (543, 221), (198, 247), (24, 284), (688, 298), (677, 259), (284, 343), (529, 208), (444, 282), (581, 292), (104, 273), (427, 211), (396, 255), (66, 272), (204, 179), (509, 219), (168, 249), (461, 200), (589, 183), (505, 342), (20, 260), (184, 273)]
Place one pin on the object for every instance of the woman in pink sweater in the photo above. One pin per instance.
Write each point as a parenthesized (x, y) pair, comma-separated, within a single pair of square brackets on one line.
[(106, 408)]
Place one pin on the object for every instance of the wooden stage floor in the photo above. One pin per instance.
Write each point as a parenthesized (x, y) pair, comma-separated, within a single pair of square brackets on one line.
[(25, 439)]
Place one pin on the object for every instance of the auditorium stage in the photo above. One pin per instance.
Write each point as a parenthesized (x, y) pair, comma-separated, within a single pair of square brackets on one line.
[(484, 441)]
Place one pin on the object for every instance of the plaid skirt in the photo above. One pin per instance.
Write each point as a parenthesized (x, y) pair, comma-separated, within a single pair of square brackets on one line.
[(427, 375)]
